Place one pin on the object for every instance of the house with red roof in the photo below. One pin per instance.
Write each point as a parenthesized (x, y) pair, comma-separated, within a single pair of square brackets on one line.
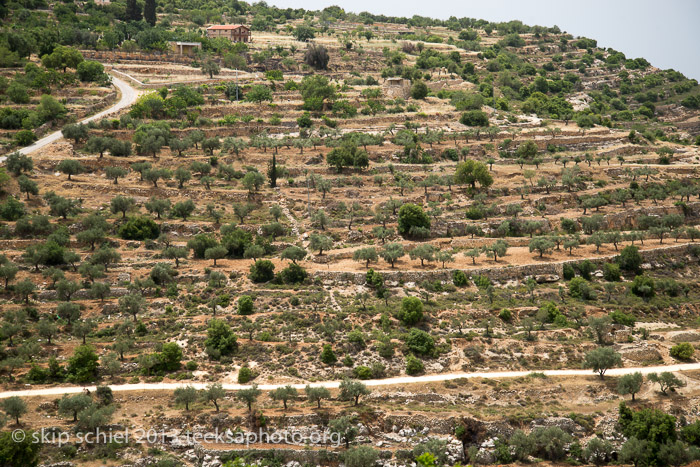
[(232, 32)]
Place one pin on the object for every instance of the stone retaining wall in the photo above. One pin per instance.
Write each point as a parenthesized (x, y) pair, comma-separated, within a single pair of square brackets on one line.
[(506, 272)]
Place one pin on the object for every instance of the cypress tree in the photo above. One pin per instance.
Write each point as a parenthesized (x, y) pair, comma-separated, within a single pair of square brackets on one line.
[(149, 12), (272, 172), (133, 10)]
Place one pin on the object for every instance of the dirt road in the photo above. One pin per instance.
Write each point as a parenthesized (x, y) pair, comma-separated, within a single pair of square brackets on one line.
[(57, 391), (128, 97)]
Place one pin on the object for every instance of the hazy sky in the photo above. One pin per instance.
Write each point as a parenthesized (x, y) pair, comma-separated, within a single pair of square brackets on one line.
[(665, 33)]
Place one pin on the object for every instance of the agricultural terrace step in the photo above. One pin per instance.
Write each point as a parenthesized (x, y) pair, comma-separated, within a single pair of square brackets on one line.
[(507, 273)]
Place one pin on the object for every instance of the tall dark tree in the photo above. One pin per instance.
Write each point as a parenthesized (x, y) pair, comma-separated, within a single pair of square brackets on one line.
[(133, 10), (272, 172), (149, 12)]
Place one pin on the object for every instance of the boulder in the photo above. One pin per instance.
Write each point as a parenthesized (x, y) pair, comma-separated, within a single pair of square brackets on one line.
[(546, 278)]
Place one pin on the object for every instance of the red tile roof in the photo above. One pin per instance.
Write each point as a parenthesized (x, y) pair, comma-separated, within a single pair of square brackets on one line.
[(226, 26)]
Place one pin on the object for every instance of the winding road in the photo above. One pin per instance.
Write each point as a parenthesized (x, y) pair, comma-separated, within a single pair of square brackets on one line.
[(128, 97), (57, 391)]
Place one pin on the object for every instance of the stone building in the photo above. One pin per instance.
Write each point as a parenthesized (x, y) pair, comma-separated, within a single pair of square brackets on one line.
[(232, 32)]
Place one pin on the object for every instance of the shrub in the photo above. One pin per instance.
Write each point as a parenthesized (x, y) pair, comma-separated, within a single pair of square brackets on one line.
[(245, 374), (611, 272), (220, 339), (12, 209), (293, 274), (245, 305), (474, 118), (327, 355), (82, 366), (262, 271), (585, 269), (411, 311), (410, 217), (459, 279), (482, 282), (316, 56), (419, 90), (362, 372), (420, 342), (475, 213), (682, 351), (361, 456), (643, 286), (569, 272), (91, 71), (25, 137), (579, 288), (619, 317), (505, 315), (629, 259), (139, 228), (305, 120), (413, 365)]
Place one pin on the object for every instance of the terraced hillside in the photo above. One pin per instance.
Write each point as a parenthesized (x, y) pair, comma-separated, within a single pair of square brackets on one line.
[(346, 198)]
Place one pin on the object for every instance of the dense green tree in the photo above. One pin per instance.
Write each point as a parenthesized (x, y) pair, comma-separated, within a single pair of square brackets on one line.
[(185, 395), (70, 167), (83, 364), (412, 217), (72, 405), (213, 393), (601, 359), (666, 381), (284, 394), (316, 394), (630, 384), (248, 396), (471, 172), (14, 407)]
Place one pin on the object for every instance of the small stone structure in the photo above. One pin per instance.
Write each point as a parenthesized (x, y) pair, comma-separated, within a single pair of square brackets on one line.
[(397, 87), (185, 48)]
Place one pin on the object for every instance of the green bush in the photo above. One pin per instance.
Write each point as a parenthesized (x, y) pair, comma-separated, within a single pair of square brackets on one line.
[(682, 351), (12, 209), (412, 216), (220, 339), (362, 372), (585, 269), (413, 365), (619, 317), (327, 355), (505, 315), (611, 272), (643, 286), (245, 374), (25, 137), (293, 274), (482, 282), (459, 279), (420, 342), (474, 118), (262, 271), (139, 228), (419, 90), (629, 259), (579, 288), (475, 213), (411, 311), (245, 305), (569, 272)]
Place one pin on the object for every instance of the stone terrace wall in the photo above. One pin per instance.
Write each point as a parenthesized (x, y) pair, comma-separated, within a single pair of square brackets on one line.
[(655, 257)]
